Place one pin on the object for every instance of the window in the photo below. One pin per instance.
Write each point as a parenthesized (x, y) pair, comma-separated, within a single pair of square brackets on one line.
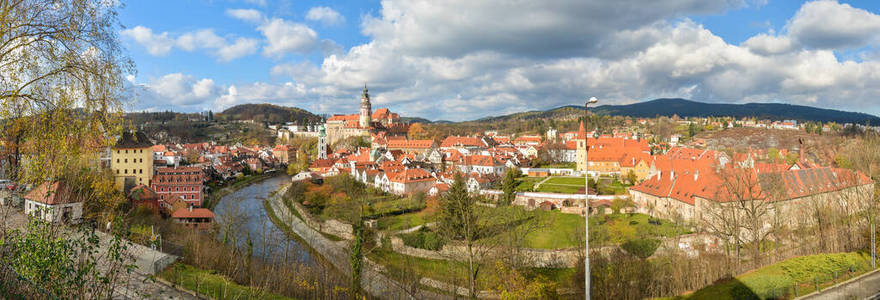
[(125, 171), (117, 160), (141, 171), (117, 171), (126, 160), (126, 151)]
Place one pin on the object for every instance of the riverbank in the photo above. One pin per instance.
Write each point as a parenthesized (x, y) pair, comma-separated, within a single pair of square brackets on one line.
[(219, 192), (372, 280)]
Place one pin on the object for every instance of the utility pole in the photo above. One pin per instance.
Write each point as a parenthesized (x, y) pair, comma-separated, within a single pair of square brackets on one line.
[(592, 100)]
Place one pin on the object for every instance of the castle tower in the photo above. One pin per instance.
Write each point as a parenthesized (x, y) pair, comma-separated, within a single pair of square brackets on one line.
[(366, 111), (322, 142)]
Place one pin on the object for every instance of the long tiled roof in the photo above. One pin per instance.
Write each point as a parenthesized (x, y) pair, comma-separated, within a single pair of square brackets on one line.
[(410, 144)]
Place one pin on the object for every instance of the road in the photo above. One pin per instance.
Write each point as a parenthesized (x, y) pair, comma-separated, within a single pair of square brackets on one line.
[(866, 286)]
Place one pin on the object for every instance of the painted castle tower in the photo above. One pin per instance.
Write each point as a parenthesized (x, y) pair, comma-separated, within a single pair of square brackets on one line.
[(366, 110)]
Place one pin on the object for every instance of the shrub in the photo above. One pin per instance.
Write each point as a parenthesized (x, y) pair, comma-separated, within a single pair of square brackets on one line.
[(423, 239), (642, 248)]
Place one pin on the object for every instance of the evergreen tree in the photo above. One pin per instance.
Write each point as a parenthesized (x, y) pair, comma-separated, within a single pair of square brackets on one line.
[(508, 185)]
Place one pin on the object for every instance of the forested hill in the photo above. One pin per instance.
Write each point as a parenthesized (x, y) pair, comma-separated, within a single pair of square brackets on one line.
[(688, 108), (269, 113)]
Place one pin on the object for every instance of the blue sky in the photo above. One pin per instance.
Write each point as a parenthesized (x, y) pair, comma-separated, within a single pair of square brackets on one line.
[(461, 60)]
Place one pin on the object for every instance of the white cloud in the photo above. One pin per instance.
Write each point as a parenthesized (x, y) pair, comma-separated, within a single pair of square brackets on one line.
[(156, 44), (769, 44), (831, 25), (204, 38), (181, 90), (285, 37), (551, 28), (241, 47), (162, 44), (485, 60), (248, 15), (325, 15)]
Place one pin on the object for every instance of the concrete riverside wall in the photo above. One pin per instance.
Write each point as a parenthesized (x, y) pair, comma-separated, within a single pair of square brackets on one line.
[(536, 258), (331, 226)]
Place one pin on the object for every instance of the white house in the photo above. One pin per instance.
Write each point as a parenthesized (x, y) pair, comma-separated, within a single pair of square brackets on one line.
[(482, 164), (53, 202)]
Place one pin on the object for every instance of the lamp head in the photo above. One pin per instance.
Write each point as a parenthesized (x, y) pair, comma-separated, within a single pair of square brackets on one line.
[(592, 100)]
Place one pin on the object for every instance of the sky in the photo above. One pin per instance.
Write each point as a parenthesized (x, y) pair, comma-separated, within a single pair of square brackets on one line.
[(463, 59)]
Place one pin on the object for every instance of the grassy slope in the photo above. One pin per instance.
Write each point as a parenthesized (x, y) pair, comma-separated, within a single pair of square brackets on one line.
[(212, 285), (778, 279)]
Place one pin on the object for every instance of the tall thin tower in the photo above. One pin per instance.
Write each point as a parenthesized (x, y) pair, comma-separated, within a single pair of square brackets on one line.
[(366, 110)]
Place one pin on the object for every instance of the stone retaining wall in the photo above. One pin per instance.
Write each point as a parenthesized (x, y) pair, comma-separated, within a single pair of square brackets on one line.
[(536, 258), (332, 226)]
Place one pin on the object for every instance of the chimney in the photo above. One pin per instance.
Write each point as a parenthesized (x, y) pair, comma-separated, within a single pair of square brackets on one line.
[(696, 175), (660, 175), (672, 175), (190, 208)]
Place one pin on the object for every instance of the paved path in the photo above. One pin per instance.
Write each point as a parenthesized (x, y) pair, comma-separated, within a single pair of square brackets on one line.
[(537, 185), (866, 286), (372, 281)]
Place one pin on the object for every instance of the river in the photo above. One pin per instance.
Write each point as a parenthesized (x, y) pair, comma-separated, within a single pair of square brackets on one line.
[(242, 218)]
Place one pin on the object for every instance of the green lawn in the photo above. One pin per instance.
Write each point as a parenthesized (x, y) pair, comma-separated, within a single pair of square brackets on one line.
[(559, 231), (560, 189), (559, 166), (619, 228), (404, 221), (403, 268), (579, 181), (391, 206), (207, 283), (778, 280), (525, 184), (563, 185)]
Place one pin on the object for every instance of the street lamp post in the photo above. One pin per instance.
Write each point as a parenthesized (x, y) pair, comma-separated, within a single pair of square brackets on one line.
[(592, 100)]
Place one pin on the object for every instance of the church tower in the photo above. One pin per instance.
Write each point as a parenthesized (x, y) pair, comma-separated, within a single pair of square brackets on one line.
[(366, 111), (581, 154)]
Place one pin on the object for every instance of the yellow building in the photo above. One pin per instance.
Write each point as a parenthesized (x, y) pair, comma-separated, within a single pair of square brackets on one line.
[(132, 161)]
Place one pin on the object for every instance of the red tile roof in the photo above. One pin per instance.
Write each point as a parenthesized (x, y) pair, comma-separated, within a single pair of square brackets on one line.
[(411, 175), (462, 141), (51, 193), (194, 213), (410, 144)]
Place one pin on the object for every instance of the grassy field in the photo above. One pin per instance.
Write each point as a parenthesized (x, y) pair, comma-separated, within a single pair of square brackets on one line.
[(525, 184), (579, 181), (560, 230), (619, 228), (402, 267), (562, 185), (206, 283), (404, 221), (778, 280), (559, 166), (560, 189)]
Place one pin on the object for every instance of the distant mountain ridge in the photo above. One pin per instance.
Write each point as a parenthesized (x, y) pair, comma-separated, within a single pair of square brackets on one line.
[(688, 108)]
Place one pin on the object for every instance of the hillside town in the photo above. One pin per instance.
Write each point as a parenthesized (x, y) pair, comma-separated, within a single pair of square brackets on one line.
[(439, 150)]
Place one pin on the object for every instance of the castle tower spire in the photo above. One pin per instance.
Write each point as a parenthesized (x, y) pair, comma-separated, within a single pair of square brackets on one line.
[(366, 111)]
